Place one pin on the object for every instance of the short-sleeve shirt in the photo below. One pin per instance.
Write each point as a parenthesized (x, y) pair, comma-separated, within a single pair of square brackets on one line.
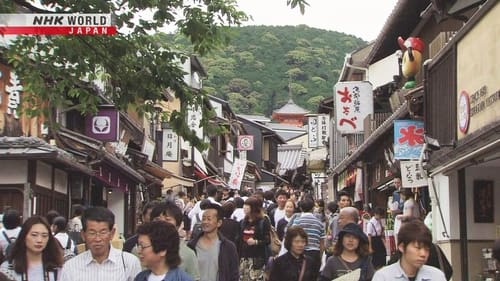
[(119, 266), (334, 268), (208, 261), (395, 272)]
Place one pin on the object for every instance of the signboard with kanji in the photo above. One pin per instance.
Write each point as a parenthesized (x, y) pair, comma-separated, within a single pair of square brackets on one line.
[(312, 134), (170, 147), (237, 173), (318, 130), (408, 139), (353, 102), (194, 116), (412, 174)]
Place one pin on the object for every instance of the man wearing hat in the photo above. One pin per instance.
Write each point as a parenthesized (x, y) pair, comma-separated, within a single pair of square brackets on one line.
[(350, 253)]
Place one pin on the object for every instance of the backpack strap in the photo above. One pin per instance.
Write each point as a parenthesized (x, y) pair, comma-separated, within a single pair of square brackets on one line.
[(68, 244), (6, 237)]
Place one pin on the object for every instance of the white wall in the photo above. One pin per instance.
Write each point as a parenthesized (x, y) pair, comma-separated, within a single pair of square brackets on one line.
[(43, 174), (116, 204), (61, 181), (13, 171), (482, 231), (446, 193)]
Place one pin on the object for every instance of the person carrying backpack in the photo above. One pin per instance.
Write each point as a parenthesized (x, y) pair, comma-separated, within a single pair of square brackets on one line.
[(9, 232), (58, 227)]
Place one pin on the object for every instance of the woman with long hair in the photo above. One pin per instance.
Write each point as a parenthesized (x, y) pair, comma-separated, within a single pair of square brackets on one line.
[(281, 225), (350, 253), (36, 255), (254, 241)]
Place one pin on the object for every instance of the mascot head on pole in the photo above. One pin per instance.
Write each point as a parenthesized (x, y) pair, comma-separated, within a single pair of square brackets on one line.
[(412, 47)]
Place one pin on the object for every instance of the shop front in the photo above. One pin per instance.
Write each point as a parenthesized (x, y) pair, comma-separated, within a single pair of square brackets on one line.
[(465, 160)]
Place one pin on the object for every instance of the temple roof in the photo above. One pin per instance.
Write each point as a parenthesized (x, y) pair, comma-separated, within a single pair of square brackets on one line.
[(291, 108)]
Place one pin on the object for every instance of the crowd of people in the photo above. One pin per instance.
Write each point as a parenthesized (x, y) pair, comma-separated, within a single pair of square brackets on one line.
[(225, 236)]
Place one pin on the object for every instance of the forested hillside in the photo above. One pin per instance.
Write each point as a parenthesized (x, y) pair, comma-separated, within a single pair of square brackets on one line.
[(262, 65)]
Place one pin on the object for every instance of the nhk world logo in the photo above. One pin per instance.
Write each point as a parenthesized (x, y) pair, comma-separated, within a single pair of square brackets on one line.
[(56, 24)]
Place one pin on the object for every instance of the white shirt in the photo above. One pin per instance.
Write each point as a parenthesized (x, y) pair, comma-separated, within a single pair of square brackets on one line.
[(75, 224), (196, 209), (119, 266), (63, 240), (10, 233), (35, 273), (238, 214), (374, 228), (278, 215)]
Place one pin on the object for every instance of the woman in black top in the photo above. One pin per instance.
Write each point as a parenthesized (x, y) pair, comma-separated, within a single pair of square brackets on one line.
[(254, 241), (290, 265)]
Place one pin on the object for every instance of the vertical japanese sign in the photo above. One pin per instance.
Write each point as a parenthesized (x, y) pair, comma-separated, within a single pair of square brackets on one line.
[(412, 174), (323, 130), (194, 120), (312, 134), (408, 139), (14, 91), (170, 145), (237, 173), (318, 130), (353, 102)]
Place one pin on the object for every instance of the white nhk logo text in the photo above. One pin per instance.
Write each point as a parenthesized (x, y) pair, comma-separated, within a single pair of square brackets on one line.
[(85, 20)]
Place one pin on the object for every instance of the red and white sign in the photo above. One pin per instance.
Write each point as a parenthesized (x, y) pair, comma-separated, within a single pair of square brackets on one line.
[(237, 173), (463, 112), (353, 102), (245, 142), (56, 24)]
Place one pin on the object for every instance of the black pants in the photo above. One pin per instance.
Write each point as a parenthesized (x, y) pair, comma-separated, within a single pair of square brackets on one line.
[(315, 256)]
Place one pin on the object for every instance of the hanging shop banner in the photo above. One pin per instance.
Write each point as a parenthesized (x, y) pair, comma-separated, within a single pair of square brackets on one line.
[(412, 174), (170, 145), (104, 125), (312, 134), (323, 129), (194, 116), (353, 102), (408, 139), (318, 130), (237, 173)]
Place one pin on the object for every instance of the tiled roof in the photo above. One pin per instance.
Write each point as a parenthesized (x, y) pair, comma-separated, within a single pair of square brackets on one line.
[(291, 107)]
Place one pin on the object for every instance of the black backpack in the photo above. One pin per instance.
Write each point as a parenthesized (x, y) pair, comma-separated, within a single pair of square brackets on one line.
[(197, 229), (10, 241)]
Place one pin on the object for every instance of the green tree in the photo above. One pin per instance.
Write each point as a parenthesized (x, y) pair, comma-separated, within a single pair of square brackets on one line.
[(135, 66)]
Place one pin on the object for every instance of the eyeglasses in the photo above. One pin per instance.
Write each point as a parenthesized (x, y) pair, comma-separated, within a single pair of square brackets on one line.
[(142, 247), (94, 234)]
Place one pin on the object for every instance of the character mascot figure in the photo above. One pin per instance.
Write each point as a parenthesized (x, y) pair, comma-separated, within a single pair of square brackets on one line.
[(412, 47)]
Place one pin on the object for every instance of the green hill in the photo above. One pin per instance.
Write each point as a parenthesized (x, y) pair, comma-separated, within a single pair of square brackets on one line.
[(254, 71)]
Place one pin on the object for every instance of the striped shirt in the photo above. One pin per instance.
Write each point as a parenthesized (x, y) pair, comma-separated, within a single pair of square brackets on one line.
[(119, 266), (313, 227)]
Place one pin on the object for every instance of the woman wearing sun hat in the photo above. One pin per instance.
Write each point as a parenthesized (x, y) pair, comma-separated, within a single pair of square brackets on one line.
[(350, 253)]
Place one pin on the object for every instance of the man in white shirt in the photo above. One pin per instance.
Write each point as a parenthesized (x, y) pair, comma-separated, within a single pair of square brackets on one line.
[(101, 261), (277, 212), (11, 228), (211, 193)]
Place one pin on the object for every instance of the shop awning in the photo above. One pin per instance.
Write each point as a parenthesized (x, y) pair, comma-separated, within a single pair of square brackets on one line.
[(290, 156), (176, 180), (212, 179)]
